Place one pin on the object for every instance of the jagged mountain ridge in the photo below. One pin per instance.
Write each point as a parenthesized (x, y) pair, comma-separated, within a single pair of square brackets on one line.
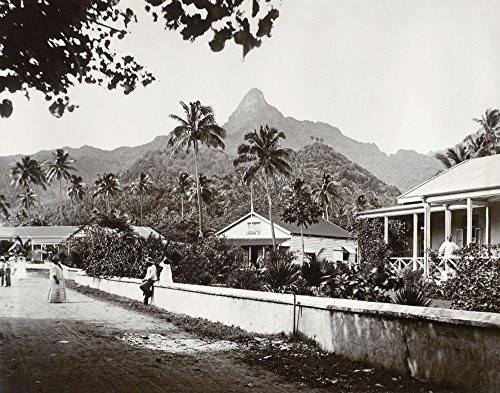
[(405, 169)]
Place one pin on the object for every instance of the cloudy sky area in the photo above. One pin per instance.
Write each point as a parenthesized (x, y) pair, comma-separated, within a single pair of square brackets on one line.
[(400, 73)]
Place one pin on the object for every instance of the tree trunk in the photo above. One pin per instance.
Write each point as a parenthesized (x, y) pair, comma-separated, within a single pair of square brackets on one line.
[(60, 202), (326, 213), (141, 207), (198, 193), (270, 210), (302, 239), (28, 206), (182, 206), (40, 210)]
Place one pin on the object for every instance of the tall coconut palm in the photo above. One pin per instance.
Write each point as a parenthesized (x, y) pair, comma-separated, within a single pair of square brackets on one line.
[(27, 200), (490, 128), (107, 185), (142, 185), (59, 168), (4, 206), (26, 173), (184, 185), (453, 156), (325, 193), (197, 129), (76, 189), (264, 155)]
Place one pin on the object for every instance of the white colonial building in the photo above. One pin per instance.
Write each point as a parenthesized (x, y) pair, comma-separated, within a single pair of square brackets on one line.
[(323, 240), (462, 202)]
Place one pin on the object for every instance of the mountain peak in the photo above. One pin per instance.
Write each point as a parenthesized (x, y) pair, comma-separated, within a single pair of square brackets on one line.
[(252, 98)]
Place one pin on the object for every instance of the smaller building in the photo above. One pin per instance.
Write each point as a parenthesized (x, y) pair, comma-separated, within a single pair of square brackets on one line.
[(47, 237), (323, 240)]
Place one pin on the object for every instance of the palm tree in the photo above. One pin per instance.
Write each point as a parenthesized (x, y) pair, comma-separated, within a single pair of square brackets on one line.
[(26, 173), (490, 128), (4, 206), (184, 185), (453, 156), (76, 188), (142, 185), (264, 155), (60, 169), (199, 128), (107, 185), (207, 191), (301, 209), (325, 193), (340, 213), (27, 200)]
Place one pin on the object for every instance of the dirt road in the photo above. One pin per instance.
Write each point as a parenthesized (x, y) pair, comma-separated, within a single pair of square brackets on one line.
[(87, 345)]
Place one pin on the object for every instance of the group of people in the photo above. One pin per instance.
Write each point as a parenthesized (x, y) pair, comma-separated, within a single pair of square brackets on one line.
[(12, 267), (154, 272)]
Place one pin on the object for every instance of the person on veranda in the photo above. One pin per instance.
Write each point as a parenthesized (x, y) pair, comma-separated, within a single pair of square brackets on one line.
[(57, 290), (448, 248), (149, 280)]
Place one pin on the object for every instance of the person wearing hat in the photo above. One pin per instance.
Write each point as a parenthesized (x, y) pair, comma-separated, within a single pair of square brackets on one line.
[(57, 291), (2, 271), (149, 280)]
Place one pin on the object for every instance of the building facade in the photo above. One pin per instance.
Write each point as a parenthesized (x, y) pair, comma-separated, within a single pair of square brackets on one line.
[(462, 202), (323, 240)]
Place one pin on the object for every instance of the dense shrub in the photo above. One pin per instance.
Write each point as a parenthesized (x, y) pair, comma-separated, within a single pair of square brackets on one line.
[(104, 253), (362, 284), (245, 278), (207, 262), (476, 283), (281, 274)]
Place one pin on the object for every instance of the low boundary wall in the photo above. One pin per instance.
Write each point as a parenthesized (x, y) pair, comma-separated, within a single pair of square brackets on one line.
[(460, 348)]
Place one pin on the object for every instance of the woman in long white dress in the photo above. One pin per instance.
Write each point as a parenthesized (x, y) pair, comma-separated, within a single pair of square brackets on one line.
[(20, 272), (57, 291)]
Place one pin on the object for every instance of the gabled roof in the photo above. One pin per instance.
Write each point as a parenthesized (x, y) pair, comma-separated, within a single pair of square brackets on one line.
[(323, 228), (472, 175)]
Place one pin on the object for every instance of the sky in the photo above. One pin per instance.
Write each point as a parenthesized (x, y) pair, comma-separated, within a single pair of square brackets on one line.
[(404, 74)]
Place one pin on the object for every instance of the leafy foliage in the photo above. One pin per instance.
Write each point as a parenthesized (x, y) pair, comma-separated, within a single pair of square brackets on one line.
[(362, 284), (485, 142), (281, 274), (476, 283), (49, 46)]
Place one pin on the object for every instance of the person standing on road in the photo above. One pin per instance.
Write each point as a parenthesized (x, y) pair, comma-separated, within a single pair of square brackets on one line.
[(8, 271), (2, 270), (20, 269), (57, 291), (149, 280)]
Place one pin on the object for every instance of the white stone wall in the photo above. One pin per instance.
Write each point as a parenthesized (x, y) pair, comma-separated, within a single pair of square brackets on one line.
[(460, 348)]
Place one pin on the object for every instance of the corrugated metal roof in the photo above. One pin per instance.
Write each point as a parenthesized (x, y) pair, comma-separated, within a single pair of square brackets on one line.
[(53, 232), (57, 233), (246, 242), (322, 228), (472, 175)]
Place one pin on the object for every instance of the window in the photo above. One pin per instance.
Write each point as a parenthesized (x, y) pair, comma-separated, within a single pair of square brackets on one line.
[(253, 228)]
